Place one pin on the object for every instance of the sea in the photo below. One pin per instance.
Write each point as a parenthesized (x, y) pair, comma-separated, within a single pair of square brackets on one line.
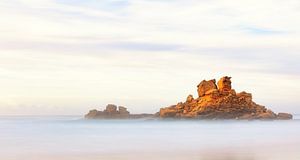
[(75, 138)]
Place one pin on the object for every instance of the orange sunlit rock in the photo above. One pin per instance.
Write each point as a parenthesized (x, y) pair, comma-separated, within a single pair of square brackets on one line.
[(220, 102)]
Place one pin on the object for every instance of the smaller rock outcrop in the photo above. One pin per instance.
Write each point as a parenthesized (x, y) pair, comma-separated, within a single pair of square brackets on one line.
[(113, 112), (284, 116)]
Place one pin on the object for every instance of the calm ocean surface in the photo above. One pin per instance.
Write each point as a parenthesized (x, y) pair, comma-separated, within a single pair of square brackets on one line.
[(73, 138)]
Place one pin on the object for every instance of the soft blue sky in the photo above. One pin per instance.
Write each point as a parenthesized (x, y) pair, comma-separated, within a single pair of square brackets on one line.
[(66, 57)]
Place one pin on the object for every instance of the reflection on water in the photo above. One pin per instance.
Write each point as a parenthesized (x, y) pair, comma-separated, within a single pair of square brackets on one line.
[(72, 138)]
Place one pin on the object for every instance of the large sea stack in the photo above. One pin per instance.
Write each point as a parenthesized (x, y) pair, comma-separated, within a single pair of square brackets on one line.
[(220, 101)]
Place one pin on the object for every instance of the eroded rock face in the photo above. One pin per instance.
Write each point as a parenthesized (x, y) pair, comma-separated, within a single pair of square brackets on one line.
[(111, 108), (206, 86), (123, 110), (224, 84), (220, 102), (190, 98)]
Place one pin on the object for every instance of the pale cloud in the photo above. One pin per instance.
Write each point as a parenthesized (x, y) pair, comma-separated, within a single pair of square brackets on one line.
[(190, 23), (61, 57)]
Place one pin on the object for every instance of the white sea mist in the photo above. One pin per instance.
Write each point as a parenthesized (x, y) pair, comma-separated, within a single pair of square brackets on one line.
[(73, 138)]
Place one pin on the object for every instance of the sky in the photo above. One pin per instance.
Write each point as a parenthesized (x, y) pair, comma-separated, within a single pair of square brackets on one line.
[(65, 57)]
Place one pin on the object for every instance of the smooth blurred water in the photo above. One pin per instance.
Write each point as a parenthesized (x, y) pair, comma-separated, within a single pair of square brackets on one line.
[(73, 138)]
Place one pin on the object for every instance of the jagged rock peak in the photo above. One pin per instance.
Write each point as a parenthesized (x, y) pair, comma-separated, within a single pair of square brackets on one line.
[(204, 87), (224, 84)]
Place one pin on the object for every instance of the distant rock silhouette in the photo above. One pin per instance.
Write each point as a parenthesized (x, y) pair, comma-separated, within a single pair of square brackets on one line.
[(220, 102), (114, 112)]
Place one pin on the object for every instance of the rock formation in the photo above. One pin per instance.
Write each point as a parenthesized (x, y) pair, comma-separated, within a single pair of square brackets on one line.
[(220, 102), (206, 86), (114, 112), (224, 84)]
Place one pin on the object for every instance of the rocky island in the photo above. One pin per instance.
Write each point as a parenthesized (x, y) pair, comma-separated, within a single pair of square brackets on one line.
[(220, 101), (114, 112), (214, 101)]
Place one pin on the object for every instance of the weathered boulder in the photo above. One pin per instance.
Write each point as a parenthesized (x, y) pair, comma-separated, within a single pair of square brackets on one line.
[(123, 110), (123, 113), (190, 98), (206, 86), (224, 84), (220, 102), (245, 97), (92, 114), (111, 108)]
